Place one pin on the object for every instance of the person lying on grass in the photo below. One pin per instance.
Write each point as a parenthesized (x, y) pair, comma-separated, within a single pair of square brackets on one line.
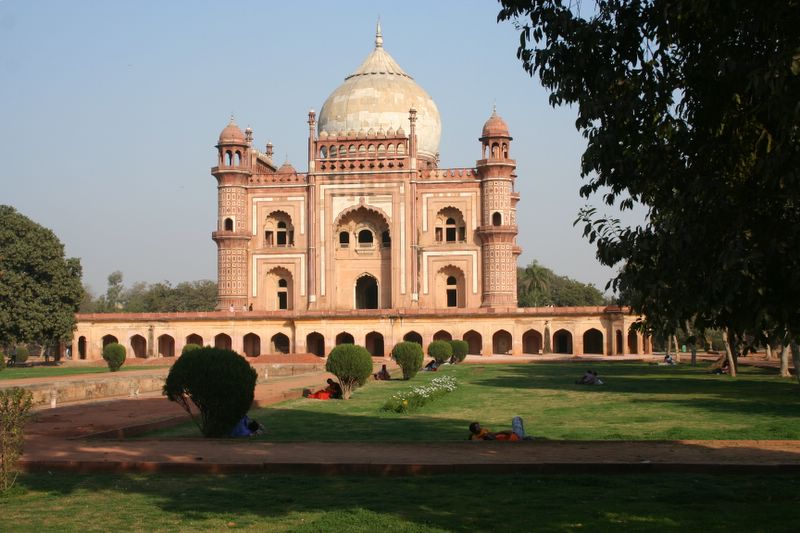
[(589, 378), (332, 391), (476, 432)]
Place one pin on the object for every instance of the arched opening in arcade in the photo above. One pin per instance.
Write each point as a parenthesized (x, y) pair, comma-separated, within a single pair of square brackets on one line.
[(475, 342), (413, 336), (442, 335), (280, 343), (139, 346), (562, 341), (194, 338), (251, 345), (315, 343), (374, 344), (223, 342), (532, 342), (501, 342), (166, 346), (366, 292), (593, 342), (108, 339), (81, 347), (618, 342), (344, 338), (633, 343)]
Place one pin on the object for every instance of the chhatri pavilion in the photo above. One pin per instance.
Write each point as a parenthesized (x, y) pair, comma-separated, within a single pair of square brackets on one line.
[(373, 244)]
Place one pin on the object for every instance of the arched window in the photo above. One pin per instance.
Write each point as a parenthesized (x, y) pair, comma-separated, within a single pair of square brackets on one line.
[(228, 158), (228, 224), (450, 230), (452, 291), (278, 229), (497, 219), (362, 150), (283, 294), (282, 237), (323, 152), (450, 225), (386, 239), (344, 239), (401, 149), (352, 149), (371, 150), (342, 151), (332, 152), (365, 238), (238, 158), (495, 151), (381, 150), (390, 150), (505, 150)]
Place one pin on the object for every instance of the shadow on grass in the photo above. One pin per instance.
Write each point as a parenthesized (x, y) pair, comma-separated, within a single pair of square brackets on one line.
[(440, 503)]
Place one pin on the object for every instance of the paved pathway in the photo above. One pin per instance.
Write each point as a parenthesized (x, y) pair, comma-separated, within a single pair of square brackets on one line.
[(59, 439)]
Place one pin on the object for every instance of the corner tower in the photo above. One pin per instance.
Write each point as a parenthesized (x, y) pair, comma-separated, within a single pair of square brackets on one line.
[(498, 228), (232, 172)]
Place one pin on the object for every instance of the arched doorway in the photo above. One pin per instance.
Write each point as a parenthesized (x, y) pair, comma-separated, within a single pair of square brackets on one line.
[(501, 342), (139, 346), (280, 343), (82, 347), (413, 336), (475, 341), (108, 339), (366, 292), (593, 342), (194, 338), (618, 338), (442, 335), (633, 343), (166, 346), (344, 338), (315, 343), (374, 344), (252, 345), (222, 342), (562, 341), (532, 342)]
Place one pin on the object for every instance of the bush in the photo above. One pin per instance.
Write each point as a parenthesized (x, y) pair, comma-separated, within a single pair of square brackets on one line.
[(189, 347), (441, 351), (15, 403), (2, 360), (409, 357), (460, 350), (114, 355), (22, 354), (351, 364), (219, 382)]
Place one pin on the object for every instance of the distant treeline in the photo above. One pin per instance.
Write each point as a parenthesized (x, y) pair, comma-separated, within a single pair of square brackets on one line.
[(144, 297), (538, 286)]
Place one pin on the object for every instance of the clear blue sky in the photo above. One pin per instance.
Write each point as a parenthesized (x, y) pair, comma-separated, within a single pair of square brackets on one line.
[(109, 112)]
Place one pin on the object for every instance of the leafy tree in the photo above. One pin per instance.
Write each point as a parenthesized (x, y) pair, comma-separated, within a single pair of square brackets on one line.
[(689, 108), (352, 366), (40, 289), (537, 286), (159, 297)]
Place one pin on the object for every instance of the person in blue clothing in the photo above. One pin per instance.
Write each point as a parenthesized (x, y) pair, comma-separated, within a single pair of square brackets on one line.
[(247, 427)]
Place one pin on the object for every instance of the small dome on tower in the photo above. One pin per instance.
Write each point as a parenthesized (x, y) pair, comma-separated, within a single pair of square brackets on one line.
[(231, 133), (495, 127), (286, 168)]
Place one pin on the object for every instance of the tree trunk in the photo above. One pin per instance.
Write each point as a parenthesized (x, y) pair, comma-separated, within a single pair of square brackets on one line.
[(692, 343), (784, 361), (729, 354), (677, 349), (769, 352), (796, 360)]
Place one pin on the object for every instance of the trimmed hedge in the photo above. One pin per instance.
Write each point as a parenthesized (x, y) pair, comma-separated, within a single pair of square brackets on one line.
[(351, 364), (189, 347), (114, 355), (221, 383), (460, 350), (441, 351), (409, 357), (22, 354)]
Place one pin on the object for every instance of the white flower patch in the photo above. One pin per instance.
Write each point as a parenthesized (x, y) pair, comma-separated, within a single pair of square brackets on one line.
[(406, 401)]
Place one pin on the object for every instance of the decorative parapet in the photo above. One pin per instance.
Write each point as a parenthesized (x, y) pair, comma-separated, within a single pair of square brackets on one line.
[(449, 174)]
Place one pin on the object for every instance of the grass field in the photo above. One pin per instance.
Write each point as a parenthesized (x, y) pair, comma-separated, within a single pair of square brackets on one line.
[(637, 401), (58, 371), (70, 502)]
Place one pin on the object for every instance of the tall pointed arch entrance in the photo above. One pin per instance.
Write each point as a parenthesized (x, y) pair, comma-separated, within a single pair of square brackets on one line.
[(366, 292)]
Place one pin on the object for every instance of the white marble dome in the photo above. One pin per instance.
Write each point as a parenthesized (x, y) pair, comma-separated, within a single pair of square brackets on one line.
[(378, 96)]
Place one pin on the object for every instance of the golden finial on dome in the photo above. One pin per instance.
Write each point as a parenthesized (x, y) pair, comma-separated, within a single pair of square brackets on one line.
[(378, 35)]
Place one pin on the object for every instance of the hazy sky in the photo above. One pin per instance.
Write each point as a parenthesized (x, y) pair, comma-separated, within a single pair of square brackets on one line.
[(109, 112)]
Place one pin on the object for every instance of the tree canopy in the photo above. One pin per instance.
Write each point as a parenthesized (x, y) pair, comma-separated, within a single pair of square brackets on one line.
[(159, 297), (689, 108), (40, 289), (538, 286)]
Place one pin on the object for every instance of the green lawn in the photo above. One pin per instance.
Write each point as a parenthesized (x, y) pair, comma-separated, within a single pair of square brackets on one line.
[(69, 502), (58, 371), (637, 401)]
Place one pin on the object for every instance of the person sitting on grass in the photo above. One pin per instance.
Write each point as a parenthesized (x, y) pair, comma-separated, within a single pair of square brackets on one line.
[(431, 366), (668, 360), (589, 378), (332, 391), (247, 427), (476, 432), (382, 374)]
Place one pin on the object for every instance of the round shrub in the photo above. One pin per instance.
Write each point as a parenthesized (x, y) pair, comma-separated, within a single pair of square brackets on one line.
[(22, 354), (351, 364), (409, 357), (441, 351), (114, 355), (189, 347), (220, 383), (460, 350)]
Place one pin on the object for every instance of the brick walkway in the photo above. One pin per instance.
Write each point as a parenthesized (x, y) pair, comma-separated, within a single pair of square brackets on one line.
[(59, 439)]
